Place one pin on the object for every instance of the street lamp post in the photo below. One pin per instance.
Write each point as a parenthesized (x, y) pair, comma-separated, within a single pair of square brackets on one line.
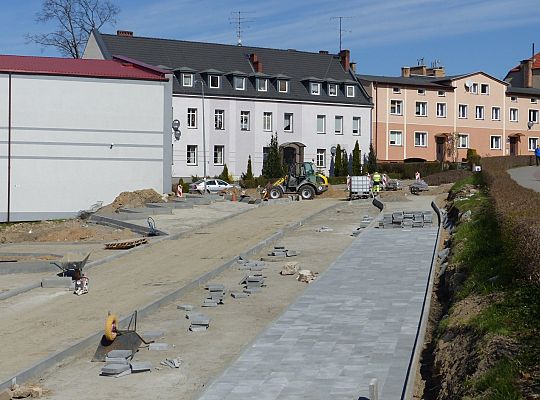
[(203, 135)]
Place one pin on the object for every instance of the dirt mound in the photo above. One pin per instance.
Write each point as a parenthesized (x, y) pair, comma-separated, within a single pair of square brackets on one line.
[(135, 199)]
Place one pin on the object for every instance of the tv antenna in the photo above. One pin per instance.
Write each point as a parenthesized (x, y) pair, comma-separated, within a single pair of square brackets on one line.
[(237, 18), (341, 30)]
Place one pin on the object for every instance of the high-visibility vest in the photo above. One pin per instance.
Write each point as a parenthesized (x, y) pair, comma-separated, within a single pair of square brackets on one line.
[(376, 177)]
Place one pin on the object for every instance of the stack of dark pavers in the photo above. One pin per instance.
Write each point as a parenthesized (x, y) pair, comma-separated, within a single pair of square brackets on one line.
[(406, 219)]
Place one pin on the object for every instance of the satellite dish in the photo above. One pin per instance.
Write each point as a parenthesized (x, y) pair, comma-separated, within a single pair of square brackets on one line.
[(468, 84), (530, 124)]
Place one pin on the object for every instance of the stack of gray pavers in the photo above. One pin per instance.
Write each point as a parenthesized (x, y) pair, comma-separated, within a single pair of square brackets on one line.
[(118, 364), (366, 220), (253, 283), (280, 252), (397, 219), (385, 221), (406, 219), (199, 322), (246, 264), (216, 293)]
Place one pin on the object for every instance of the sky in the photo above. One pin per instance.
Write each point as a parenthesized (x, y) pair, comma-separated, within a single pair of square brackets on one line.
[(382, 35)]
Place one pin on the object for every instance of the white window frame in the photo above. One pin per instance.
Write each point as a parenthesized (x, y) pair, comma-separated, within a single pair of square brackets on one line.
[(491, 142), (239, 79), (396, 90), (465, 108), (244, 120), (534, 112), (291, 122), (424, 139), (418, 109), (513, 115), (332, 89), (315, 88), (321, 158), (187, 80), (357, 126), (219, 148), (212, 80), (474, 88), (484, 86), (513, 99), (191, 118), (321, 118), (534, 141), (194, 151), (397, 105), (262, 85), (285, 82), (219, 120), (267, 121), (421, 92), (338, 126), (441, 108), (349, 91), (441, 93), (397, 135), (463, 141), (493, 112), (479, 112)]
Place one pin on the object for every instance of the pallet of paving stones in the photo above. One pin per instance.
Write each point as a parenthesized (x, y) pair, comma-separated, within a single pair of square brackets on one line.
[(125, 244), (406, 219), (279, 253)]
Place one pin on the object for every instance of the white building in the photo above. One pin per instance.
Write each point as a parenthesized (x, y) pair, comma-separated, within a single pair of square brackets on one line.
[(76, 132), (311, 100)]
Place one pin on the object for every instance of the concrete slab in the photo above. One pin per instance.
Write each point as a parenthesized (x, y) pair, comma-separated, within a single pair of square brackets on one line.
[(57, 282)]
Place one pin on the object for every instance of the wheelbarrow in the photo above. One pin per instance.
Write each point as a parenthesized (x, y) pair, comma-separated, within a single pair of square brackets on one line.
[(72, 266)]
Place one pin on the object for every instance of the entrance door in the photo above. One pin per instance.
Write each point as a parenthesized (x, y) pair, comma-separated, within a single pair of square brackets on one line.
[(513, 146), (289, 155), (440, 148)]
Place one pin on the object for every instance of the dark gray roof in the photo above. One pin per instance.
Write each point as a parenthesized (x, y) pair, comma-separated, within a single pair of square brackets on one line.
[(522, 90), (414, 80), (204, 56)]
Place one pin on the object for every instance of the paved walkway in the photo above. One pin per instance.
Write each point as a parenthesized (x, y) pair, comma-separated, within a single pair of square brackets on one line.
[(528, 177), (356, 322)]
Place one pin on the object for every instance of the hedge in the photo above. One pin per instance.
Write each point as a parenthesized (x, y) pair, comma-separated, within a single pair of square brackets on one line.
[(408, 170)]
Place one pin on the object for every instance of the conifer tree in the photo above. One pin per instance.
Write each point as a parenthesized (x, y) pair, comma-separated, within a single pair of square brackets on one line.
[(272, 167), (344, 169), (337, 161), (356, 167)]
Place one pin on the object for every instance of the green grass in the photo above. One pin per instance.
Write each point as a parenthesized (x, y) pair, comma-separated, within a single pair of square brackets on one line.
[(498, 382)]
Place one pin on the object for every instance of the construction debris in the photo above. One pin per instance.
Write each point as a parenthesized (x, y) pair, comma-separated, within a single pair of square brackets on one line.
[(305, 275), (290, 268), (171, 362), (125, 244), (324, 229)]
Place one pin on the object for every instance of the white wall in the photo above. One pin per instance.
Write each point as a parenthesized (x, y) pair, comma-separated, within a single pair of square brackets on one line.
[(240, 144), (62, 131)]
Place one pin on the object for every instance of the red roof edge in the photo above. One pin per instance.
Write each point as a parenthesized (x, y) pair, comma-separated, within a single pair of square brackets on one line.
[(141, 65)]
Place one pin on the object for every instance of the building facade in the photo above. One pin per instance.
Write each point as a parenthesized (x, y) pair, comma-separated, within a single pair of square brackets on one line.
[(77, 132), (229, 100)]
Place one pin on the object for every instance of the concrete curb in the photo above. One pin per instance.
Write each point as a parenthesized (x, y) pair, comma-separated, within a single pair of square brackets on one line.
[(410, 380), (79, 346)]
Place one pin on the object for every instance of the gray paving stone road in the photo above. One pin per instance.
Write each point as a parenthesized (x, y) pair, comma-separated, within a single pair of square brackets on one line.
[(356, 322)]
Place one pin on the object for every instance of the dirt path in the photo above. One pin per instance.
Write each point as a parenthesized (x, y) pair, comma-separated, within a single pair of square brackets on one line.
[(35, 325)]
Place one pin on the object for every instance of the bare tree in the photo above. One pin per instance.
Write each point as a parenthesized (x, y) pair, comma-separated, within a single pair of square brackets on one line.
[(74, 20), (451, 146)]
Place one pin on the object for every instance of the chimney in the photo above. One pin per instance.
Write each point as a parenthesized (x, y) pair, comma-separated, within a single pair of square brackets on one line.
[(353, 66), (124, 33), (405, 72), (345, 59), (437, 72), (526, 70), (323, 51), (418, 70), (257, 64)]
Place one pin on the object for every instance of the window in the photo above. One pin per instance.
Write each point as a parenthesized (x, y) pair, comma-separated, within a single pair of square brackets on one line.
[(534, 100), (395, 138), (283, 85), (321, 158), (288, 122), (239, 83), (513, 99), (214, 81), (496, 113), (420, 139), (332, 89), (479, 112), (533, 142), (474, 88), (315, 88), (396, 90), (421, 92), (356, 126), (484, 88), (338, 125), (266, 151), (514, 115), (441, 93), (441, 110), (321, 123), (244, 120), (191, 117), (262, 84), (267, 121), (187, 80), (219, 119), (219, 151), (462, 111), (350, 91), (396, 107), (191, 158), (533, 116), (495, 142), (463, 141), (421, 108)]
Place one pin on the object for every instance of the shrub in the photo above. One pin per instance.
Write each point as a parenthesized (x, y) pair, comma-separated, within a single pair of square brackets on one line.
[(225, 174), (473, 158), (272, 167), (371, 163), (337, 180), (185, 185), (356, 167), (408, 170)]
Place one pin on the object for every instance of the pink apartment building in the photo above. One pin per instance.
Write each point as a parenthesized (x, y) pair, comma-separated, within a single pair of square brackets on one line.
[(425, 115)]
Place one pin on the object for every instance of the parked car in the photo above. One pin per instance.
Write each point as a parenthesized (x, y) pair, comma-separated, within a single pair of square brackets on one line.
[(212, 186)]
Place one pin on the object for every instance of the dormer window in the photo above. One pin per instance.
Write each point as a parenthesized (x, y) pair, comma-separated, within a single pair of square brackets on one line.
[(262, 84), (214, 81), (350, 91), (239, 83), (332, 89), (187, 80), (283, 85), (315, 88)]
